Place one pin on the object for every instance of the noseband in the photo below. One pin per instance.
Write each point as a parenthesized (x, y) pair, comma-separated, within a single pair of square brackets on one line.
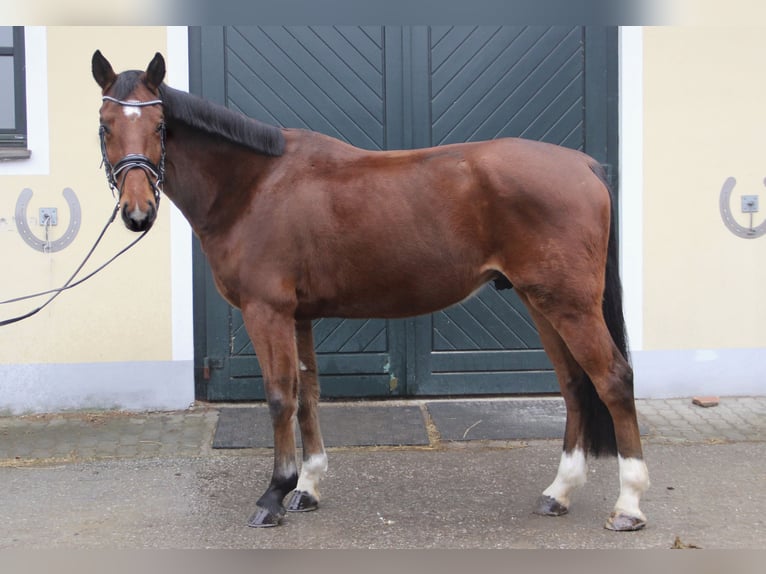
[(155, 173)]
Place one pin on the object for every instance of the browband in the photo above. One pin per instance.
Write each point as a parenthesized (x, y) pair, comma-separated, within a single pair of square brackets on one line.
[(133, 103)]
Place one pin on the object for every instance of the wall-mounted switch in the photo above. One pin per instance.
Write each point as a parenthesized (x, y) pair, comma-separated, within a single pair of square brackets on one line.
[(749, 204), (49, 213)]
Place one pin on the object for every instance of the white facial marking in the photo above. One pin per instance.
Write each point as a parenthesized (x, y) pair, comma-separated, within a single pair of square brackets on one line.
[(572, 473), (634, 480), (303, 366), (137, 214), (132, 112), (312, 471)]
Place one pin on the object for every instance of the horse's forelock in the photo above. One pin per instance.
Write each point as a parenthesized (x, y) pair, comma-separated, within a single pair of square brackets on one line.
[(125, 84)]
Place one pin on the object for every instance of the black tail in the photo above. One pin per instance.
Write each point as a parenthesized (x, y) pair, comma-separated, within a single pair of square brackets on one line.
[(598, 426), (615, 320)]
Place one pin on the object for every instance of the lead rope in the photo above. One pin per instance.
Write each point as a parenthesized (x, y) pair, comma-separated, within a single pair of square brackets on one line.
[(69, 282)]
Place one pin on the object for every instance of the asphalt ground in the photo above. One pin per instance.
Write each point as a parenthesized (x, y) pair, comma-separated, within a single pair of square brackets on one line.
[(115, 480)]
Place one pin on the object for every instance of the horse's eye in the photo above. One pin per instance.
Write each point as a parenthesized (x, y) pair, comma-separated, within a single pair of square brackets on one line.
[(104, 130), (160, 127)]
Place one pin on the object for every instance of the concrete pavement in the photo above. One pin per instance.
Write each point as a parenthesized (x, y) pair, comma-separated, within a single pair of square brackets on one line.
[(152, 480)]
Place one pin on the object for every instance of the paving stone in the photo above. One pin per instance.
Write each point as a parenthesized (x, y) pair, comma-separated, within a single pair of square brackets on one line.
[(189, 433), (706, 402)]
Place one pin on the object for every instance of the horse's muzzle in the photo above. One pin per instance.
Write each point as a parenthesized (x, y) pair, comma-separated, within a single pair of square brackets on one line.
[(137, 219)]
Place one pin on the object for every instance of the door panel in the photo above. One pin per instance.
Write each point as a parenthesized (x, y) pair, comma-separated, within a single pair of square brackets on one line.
[(331, 80), (490, 82)]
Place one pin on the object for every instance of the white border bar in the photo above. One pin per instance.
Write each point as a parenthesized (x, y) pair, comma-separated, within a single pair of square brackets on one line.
[(631, 133), (181, 280)]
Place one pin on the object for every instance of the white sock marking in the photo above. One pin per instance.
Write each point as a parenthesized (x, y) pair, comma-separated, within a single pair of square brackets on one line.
[(634, 480), (312, 471), (572, 473)]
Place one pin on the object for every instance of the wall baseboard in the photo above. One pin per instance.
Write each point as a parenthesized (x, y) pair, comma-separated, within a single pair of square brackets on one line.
[(129, 386), (685, 373)]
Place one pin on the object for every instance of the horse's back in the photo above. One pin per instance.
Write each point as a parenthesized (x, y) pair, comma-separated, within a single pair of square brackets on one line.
[(505, 166)]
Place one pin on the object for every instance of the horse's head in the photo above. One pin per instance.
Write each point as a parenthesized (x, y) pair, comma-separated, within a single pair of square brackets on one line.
[(133, 137)]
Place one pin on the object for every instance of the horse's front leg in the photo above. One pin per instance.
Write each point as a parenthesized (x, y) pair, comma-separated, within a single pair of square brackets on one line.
[(314, 467), (273, 336)]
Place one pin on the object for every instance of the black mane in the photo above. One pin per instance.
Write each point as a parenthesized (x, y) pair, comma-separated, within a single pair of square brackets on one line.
[(208, 117), (221, 121)]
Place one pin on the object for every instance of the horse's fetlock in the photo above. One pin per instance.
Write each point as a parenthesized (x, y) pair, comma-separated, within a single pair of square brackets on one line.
[(279, 487)]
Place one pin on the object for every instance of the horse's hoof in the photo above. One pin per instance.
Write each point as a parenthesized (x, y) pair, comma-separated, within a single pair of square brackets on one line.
[(302, 502), (624, 522), (549, 506), (263, 518)]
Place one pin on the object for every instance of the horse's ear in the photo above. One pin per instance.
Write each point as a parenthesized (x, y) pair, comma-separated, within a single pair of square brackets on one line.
[(102, 70), (155, 73)]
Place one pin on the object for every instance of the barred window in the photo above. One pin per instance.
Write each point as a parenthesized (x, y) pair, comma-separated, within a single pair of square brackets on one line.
[(13, 120)]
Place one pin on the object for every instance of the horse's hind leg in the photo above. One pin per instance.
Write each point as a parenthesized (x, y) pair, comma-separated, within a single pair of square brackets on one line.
[(612, 377), (306, 495), (573, 469), (273, 337), (579, 322)]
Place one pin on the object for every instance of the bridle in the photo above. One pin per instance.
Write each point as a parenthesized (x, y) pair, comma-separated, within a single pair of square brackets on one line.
[(155, 173)]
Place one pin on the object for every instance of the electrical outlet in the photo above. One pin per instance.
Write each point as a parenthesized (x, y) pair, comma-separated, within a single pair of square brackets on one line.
[(50, 213), (749, 204)]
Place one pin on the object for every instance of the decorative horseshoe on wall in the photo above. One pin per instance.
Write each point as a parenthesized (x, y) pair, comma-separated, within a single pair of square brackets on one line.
[(75, 217), (728, 219)]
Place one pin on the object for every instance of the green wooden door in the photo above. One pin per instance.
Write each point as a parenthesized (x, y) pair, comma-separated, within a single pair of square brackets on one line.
[(396, 88), (480, 83)]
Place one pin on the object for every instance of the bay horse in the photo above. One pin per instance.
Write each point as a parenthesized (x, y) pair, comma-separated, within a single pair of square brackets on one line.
[(297, 225)]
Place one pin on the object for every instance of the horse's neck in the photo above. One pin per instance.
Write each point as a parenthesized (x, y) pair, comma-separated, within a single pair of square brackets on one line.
[(208, 181)]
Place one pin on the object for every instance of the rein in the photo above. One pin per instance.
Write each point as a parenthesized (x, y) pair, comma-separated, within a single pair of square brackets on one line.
[(70, 283), (124, 165)]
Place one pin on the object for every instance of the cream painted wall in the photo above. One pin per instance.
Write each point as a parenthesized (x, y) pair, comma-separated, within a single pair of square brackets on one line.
[(704, 120), (740, 13), (123, 314)]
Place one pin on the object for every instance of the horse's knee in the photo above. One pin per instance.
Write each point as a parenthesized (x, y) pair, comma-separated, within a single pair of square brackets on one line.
[(282, 409), (308, 397)]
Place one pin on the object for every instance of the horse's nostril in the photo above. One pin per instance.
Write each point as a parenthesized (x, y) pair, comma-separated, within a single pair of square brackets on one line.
[(125, 215), (151, 214)]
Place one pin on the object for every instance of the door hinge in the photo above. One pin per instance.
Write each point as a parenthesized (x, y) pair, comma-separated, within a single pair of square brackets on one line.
[(209, 363)]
